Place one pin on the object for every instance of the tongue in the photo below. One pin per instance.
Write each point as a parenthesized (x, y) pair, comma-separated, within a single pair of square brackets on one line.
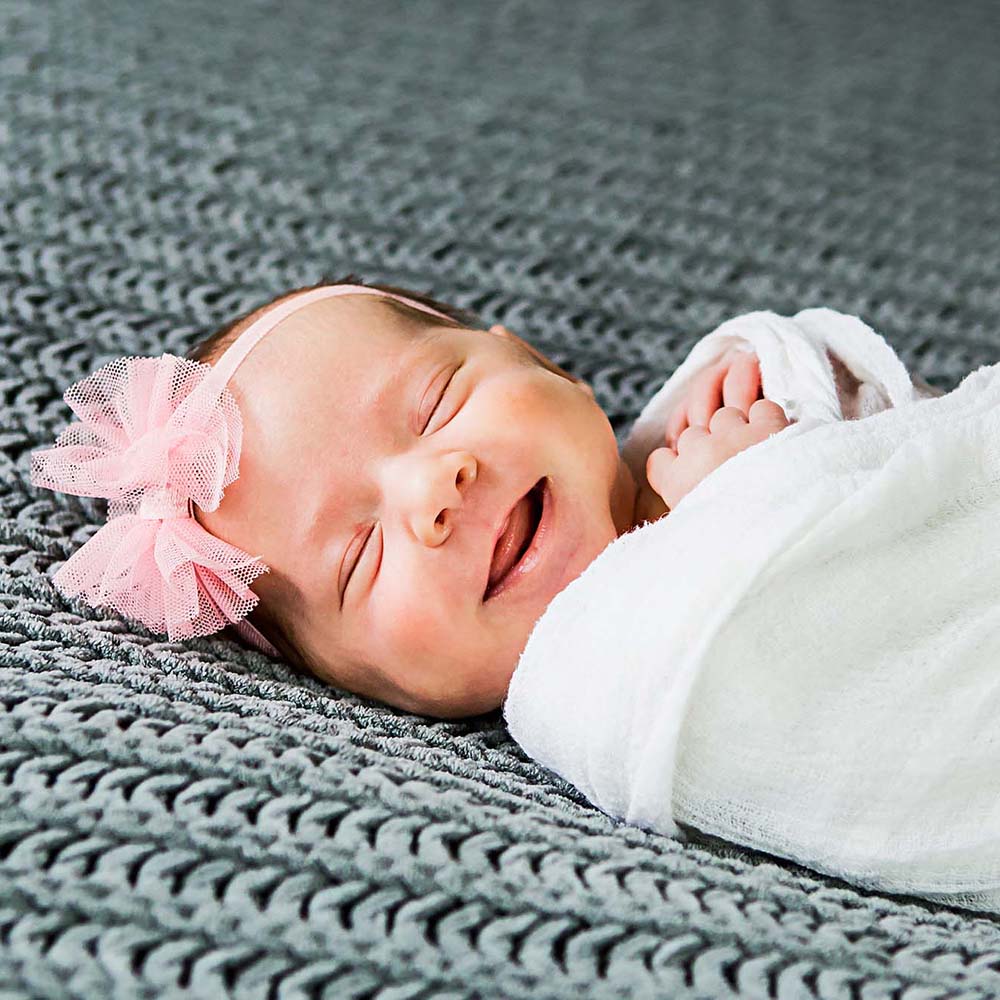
[(510, 543)]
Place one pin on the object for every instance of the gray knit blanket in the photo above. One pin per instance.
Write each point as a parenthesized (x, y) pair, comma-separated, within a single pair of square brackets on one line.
[(611, 181)]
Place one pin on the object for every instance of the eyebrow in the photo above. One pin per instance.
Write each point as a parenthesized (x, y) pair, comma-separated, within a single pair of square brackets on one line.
[(412, 362)]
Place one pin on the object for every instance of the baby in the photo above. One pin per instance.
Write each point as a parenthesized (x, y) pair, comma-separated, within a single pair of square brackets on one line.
[(409, 443), (420, 488)]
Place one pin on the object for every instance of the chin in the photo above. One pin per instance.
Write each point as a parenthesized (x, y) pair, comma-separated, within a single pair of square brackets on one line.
[(464, 708), (600, 534)]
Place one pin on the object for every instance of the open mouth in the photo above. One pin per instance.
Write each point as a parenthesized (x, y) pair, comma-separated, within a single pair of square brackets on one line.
[(515, 539)]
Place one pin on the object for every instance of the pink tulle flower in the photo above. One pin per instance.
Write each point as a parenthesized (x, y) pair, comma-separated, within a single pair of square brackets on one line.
[(151, 445)]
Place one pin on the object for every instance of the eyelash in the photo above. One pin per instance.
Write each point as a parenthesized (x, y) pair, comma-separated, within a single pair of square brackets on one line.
[(357, 561), (440, 399), (430, 417)]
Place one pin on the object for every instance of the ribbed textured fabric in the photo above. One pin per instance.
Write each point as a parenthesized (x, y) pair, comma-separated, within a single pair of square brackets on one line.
[(611, 181)]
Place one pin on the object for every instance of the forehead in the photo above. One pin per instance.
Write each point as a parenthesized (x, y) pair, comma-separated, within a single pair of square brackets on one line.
[(321, 361), (343, 330), (309, 394), (343, 324)]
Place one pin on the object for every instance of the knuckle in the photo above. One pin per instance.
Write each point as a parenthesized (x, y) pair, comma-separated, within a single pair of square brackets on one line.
[(726, 414), (690, 433), (766, 407), (657, 460)]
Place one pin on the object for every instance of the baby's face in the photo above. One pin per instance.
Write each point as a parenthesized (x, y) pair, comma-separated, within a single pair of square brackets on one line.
[(379, 518)]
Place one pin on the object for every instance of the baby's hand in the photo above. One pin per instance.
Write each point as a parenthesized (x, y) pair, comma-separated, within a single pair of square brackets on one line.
[(700, 450), (734, 380)]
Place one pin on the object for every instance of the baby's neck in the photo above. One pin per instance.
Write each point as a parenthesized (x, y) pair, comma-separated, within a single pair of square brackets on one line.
[(649, 506), (633, 503)]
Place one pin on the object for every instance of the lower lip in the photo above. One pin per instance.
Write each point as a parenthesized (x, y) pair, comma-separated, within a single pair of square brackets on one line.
[(538, 554)]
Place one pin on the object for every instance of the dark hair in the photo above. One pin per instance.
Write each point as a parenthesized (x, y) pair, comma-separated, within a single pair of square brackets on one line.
[(211, 349)]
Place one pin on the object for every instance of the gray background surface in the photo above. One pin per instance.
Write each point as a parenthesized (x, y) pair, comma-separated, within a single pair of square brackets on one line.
[(609, 180)]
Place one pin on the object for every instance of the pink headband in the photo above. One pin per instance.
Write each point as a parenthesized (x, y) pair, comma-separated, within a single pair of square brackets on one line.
[(157, 436)]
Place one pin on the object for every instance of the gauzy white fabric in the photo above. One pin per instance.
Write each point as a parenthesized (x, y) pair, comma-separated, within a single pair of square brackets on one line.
[(803, 656)]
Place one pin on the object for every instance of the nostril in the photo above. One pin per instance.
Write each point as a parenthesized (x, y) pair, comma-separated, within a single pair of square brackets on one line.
[(439, 520)]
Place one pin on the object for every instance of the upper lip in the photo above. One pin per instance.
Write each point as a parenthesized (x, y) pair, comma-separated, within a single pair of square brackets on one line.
[(498, 530)]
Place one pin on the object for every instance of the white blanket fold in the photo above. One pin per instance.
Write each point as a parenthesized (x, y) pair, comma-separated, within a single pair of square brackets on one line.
[(804, 656)]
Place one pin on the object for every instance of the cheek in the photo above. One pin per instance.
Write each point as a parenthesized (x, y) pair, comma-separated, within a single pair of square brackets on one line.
[(528, 408), (411, 618)]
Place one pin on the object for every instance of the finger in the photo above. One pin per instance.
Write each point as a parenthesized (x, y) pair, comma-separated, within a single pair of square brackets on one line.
[(677, 422), (727, 416), (657, 466), (766, 410), (742, 384), (690, 434), (708, 396)]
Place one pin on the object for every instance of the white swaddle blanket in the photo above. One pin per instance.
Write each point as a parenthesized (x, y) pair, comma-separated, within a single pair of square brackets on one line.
[(804, 656)]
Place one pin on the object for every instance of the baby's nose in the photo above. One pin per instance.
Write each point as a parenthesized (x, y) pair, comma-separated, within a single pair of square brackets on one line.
[(447, 493)]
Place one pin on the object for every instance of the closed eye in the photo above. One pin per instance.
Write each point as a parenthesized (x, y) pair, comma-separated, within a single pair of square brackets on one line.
[(364, 544), (354, 566), (440, 398)]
